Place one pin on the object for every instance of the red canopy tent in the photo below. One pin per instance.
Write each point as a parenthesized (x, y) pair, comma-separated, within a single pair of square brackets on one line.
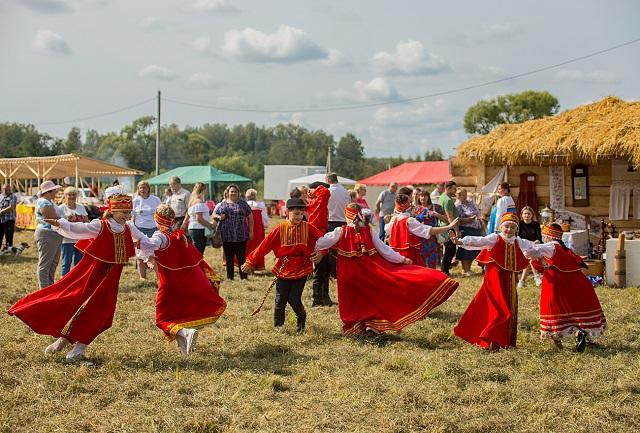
[(412, 173)]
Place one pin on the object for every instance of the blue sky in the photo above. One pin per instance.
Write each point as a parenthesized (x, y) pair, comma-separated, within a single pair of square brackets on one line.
[(68, 59)]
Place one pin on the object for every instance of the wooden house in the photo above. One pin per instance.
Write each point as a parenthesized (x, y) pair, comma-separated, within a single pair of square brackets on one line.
[(583, 160)]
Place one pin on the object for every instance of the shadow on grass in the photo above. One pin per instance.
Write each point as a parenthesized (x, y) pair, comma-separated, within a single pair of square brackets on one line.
[(17, 260), (271, 358), (445, 316)]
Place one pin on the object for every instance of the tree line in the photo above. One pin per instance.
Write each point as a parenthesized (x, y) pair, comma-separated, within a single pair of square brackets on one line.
[(241, 149), (245, 149)]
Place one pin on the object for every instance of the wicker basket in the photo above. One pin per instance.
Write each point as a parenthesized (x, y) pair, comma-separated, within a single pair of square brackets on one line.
[(596, 268)]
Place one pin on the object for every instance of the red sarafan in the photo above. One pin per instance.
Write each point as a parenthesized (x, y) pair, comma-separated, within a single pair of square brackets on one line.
[(379, 295), (568, 301), (81, 304), (491, 319), (187, 287)]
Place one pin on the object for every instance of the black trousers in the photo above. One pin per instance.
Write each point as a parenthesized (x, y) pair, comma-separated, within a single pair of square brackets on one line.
[(289, 291), (237, 250), (198, 238), (447, 257), (324, 269), (6, 232)]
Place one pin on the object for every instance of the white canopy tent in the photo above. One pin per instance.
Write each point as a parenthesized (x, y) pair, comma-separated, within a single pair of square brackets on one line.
[(318, 177)]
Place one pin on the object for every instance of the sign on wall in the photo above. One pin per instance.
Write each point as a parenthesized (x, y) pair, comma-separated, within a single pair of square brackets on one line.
[(556, 187)]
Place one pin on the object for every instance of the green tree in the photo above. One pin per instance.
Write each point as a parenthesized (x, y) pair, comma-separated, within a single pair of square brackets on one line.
[(485, 115), (73, 143), (137, 144), (433, 155), (91, 144), (349, 157)]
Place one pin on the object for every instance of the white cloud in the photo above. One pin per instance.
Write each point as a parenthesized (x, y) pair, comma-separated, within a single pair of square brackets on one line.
[(201, 44), (410, 58), (230, 100), (378, 89), (212, 6), (202, 79), (492, 70), (294, 118), (286, 45), (151, 23), (46, 6), (335, 58), (502, 30), (576, 75), (46, 40), (157, 72)]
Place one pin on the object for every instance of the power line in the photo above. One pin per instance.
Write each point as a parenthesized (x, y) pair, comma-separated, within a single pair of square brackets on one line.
[(403, 100), (95, 116)]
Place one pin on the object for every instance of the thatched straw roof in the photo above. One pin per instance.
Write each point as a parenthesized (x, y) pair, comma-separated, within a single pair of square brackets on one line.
[(607, 129)]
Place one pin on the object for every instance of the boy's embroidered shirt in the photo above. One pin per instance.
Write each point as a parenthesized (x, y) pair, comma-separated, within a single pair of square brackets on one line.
[(295, 242)]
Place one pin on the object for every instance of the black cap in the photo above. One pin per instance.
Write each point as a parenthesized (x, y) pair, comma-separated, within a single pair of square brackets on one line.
[(317, 184), (296, 202)]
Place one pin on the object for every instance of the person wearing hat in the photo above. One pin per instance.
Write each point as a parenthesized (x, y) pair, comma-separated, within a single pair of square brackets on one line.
[(188, 287), (80, 306), (491, 319), (293, 242), (569, 305), (48, 242), (318, 211), (380, 290), (405, 232)]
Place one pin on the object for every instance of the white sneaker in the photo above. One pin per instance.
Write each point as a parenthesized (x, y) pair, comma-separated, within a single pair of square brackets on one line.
[(538, 279), (520, 284), (76, 354), (191, 338), (56, 346)]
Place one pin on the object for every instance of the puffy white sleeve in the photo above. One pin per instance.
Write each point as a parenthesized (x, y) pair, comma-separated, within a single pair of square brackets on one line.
[(386, 251), (329, 239), (138, 236), (475, 243), (388, 226), (421, 230), (533, 251), (78, 230), (157, 241), (265, 216)]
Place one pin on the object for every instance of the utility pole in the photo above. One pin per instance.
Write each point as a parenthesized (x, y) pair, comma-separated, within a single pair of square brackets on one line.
[(158, 142)]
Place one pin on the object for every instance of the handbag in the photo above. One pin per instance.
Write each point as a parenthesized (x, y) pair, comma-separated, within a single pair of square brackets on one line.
[(216, 237)]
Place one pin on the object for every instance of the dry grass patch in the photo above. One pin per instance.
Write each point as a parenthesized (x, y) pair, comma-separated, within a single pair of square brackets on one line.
[(246, 377)]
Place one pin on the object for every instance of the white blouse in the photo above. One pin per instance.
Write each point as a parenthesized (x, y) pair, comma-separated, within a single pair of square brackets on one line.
[(529, 249), (263, 211), (90, 230), (415, 227), (332, 238)]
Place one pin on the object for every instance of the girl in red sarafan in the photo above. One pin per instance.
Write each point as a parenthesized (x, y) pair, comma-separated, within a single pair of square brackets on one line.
[(188, 296), (569, 305), (491, 319), (80, 306), (406, 233), (378, 289)]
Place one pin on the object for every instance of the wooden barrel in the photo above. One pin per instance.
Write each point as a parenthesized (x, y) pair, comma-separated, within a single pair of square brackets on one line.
[(620, 268)]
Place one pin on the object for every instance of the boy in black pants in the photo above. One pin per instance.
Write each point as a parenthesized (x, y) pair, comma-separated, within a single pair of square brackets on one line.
[(293, 242)]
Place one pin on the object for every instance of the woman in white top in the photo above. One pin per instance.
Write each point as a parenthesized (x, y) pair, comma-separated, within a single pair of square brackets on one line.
[(504, 204), (197, 218), (73, 212), (144, 206)]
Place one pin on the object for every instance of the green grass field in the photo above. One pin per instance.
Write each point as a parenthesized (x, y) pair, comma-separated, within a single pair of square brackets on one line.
[(246, 377)]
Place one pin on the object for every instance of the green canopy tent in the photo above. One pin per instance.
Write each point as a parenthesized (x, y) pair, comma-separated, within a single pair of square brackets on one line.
[(191, 174)]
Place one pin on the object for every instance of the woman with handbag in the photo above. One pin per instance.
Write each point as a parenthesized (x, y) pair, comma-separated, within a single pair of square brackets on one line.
[(197, 219)]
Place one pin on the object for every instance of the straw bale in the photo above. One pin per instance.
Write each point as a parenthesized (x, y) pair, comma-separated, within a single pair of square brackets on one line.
[(607, 129)]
